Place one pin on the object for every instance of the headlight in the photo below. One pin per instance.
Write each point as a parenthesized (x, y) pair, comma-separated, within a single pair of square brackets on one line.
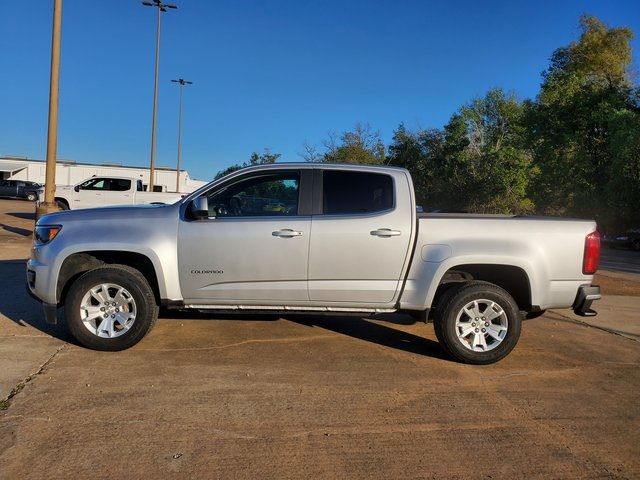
[(45, 233), (623, 238)]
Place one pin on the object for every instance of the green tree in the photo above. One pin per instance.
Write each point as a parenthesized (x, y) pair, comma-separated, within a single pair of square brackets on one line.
[(586, 101), (422, 153), (477, 162), (360, 146), (623, 189), (255, 159)]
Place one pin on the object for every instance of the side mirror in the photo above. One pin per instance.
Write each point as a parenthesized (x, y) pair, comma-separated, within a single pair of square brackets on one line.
[(200, 208), (77, 188)]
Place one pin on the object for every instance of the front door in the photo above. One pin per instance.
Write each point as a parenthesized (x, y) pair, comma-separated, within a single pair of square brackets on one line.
[(91, 192), (253, 248), (360, 241)]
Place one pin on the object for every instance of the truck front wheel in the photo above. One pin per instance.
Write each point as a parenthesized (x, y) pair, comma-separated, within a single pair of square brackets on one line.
[(62, 204), (477, 322), (110, 308)]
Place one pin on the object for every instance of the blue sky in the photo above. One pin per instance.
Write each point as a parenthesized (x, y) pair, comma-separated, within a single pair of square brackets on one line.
[(267, 74)]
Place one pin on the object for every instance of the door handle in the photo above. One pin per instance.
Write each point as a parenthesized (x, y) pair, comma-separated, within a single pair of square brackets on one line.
[(286, 233), (386, 232)]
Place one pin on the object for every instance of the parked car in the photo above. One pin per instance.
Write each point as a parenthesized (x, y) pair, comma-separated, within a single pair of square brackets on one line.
[(109, 191), (20, 189), (343, 239), (628, 239)]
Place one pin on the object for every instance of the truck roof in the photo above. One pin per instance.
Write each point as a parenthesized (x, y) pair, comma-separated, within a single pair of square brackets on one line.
[(324, 166), (117, 177)]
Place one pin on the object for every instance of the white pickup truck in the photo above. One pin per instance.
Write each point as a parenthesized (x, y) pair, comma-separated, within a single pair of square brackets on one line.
[(108, 191), (311, 238)]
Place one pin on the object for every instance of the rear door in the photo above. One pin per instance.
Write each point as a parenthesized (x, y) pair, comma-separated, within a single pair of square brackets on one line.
[(360, 239), (118, 191), (254, 247)]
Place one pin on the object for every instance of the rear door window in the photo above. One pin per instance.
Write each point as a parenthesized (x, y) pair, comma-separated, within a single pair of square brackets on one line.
[(347, 192)]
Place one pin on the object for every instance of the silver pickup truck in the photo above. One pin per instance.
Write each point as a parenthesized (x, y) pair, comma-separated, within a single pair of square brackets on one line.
[(311, 238)]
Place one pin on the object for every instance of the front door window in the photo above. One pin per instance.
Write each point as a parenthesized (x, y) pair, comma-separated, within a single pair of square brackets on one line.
[(264, 195)]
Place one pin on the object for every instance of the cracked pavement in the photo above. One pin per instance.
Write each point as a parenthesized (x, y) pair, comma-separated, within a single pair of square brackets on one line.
[(263, 397)]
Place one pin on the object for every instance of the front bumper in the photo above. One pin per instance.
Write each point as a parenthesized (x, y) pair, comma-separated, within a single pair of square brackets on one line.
[(587, 294), (50, 310), (35, 274)]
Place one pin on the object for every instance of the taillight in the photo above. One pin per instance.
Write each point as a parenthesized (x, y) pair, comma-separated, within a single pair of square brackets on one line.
[(591, 253)]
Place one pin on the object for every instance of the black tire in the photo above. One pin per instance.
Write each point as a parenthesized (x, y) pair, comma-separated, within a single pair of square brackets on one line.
[(62, 205), (452, 302), (32, 197), (135, 283)]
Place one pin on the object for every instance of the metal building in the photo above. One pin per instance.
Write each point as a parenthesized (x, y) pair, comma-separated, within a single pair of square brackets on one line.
[(71, 173)]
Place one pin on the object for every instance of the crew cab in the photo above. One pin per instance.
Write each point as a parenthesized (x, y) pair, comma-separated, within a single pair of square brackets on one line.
[(107, 191), (311, 238)]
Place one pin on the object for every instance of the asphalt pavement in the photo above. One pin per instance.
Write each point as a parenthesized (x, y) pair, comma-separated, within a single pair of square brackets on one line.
[(618, 260)]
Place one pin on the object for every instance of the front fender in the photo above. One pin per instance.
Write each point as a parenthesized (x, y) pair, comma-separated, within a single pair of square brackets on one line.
[(148, 231)]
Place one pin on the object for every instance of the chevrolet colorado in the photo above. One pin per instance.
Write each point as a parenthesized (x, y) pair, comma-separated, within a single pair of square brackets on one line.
[(311, 238)]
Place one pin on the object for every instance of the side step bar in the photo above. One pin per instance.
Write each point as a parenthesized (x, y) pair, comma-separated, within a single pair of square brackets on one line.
[(289, 308)]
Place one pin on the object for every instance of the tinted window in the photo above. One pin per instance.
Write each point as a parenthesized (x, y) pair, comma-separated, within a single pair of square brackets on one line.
[(119, 185), (139, 186), (356, 192), (273, 194)]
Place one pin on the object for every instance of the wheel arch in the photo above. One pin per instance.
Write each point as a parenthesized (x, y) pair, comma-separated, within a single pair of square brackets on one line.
[(78, 263), (436, 278), (62, 200), (512, 278)]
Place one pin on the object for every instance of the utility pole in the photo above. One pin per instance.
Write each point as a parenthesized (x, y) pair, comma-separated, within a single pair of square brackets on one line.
[(162, 7), (181, 82), (49, 204)]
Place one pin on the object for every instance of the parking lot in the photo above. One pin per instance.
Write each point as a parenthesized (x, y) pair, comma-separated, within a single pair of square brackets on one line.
[(323, 396)]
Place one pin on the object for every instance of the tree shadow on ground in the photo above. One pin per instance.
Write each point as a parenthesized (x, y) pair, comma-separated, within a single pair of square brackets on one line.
[(20, 231), (23, 215), (18, 306)]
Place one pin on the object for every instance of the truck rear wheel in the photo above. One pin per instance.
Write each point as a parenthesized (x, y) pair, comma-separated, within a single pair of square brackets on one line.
[(110, 308), (477, 322)]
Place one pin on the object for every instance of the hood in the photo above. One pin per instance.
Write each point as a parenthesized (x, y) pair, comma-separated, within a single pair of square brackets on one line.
[(125, 213)]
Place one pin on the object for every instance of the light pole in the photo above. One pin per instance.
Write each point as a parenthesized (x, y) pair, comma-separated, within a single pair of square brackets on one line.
[(162, 7), (49, 204), (181, 83)]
